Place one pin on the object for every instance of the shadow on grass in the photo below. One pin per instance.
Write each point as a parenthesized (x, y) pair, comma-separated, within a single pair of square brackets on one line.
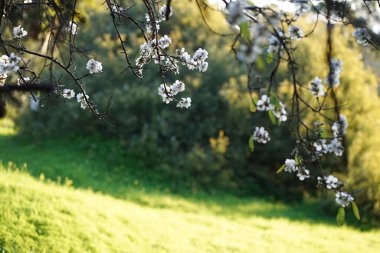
[(109, 171)]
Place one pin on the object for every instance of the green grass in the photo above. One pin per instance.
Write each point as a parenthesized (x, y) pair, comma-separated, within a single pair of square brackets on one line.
[(78, 197)]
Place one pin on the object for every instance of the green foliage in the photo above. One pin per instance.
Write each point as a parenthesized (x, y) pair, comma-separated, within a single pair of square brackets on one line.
[(244, 29), (272, 117), (251, 143), (355, 209), (341, 216), (281, 168)]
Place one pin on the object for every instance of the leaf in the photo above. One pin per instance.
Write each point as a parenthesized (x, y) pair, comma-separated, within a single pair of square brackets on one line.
[(274, 100), (355, 209), (251, 144), (281, 169), (252, 107), (324, 133), (340, 217), (269, 58), (298, 160), (272, 117), (255, 98), (260, 63), (244, 30)]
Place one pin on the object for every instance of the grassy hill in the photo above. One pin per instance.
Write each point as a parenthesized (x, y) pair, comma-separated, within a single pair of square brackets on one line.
[(72, 198)]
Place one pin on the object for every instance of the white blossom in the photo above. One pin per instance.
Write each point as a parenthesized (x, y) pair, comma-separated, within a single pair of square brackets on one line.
[(163, 12), (235, 11), (302, 173), (343, 198), (200, 55), (203, 66), (336, 68), (261, 135), (23, 80), (164, 42), (321, 147), (163, 90), (290, 165), (81, 98), (19, 32), (8, 64), (177, 87), (149, 27), (316, 87), (362, 36), (330, 181), (303, 7), (184, 56), (168, 93), (274, 45), (336, 147), (295, 32), (72, 27), (94, 66), (166, 98), (199, 60), (280, 112), (263, 104), (171, 65), (340, 127), (184, 103), (68, 93), (3, 78), (117, 9)]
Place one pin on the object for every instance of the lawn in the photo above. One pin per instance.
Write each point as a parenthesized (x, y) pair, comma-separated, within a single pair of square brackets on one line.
[(76, 197)]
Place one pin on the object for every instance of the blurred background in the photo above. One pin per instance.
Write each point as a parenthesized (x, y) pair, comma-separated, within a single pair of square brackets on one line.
[(161, 179)]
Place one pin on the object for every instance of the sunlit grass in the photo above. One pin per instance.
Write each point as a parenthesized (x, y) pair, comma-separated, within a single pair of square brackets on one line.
[(40, 216), (75, 196)]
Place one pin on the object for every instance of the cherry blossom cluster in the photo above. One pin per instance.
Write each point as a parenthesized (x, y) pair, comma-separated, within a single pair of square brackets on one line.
[(94, 66), (295, 32), (9, 64), (168, 94), (82, 99), (322, 147), (278, 108), (316, 88), (153, 49), (295, 166), (362, 36), (330, 181), (261, 135), (254, 22), (343, 198), (333, 183), (19, 32), (316, 85), (336, 67)]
